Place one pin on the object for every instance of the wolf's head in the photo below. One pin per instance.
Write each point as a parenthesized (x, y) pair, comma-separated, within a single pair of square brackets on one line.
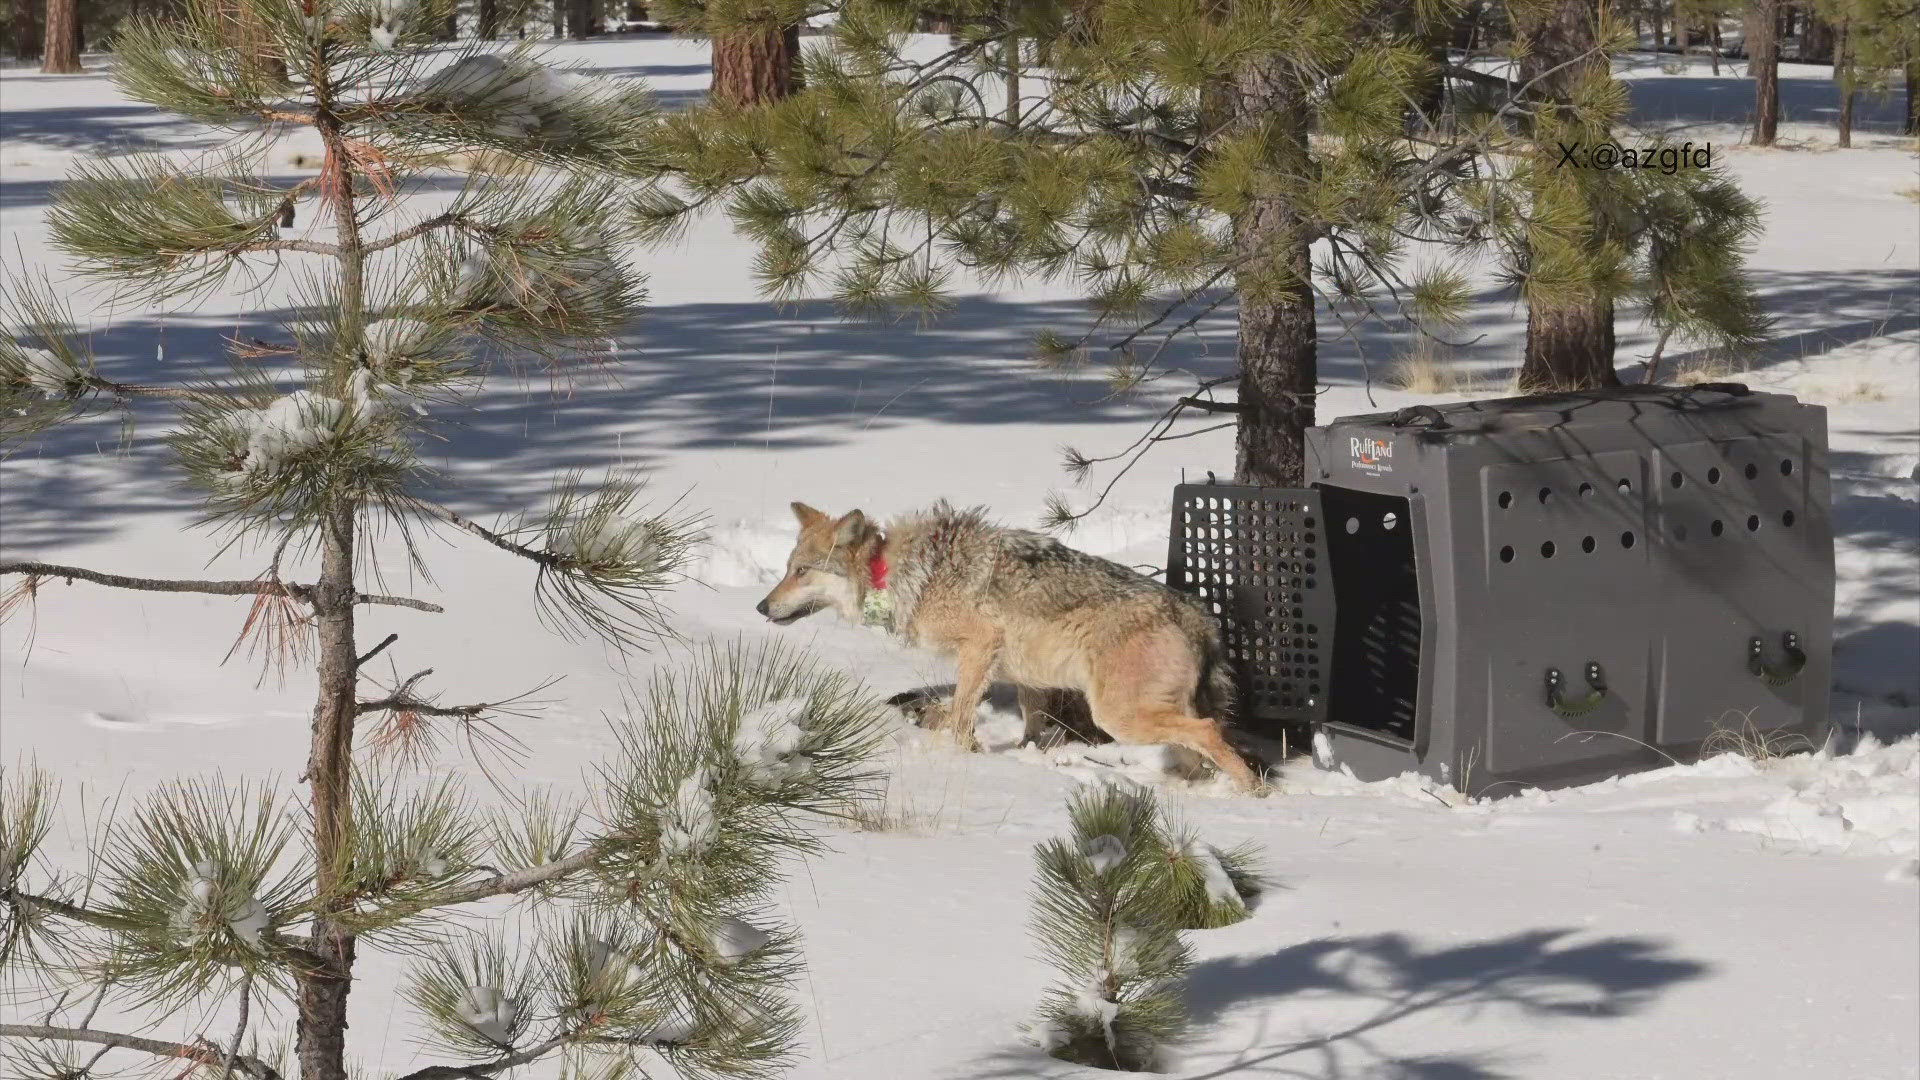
[(829, 567)]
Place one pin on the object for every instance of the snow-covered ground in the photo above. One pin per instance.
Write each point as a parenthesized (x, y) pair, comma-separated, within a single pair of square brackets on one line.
[(1728, 919)]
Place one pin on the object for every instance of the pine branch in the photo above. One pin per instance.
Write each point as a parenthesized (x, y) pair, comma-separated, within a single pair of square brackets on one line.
[(403, 699), (106, 385), (295, 947), (1481, 78), (395, 601), (441, 513), (255, 587), (518, 881), (439, 221), (1206, 406), (122, 581), (199, 1055), (471, 1072), (240, 1028), (72, 912)]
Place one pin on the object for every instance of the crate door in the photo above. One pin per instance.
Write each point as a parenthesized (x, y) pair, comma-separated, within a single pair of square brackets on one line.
[(1255, 557)]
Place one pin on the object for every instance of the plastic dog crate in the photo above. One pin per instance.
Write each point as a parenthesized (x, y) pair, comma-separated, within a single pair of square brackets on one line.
[(1537, 591)]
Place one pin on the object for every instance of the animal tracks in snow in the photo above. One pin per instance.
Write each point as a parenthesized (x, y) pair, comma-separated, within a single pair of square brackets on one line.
[(142, 724)]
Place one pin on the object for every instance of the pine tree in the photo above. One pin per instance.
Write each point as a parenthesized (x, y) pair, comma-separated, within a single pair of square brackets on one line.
[(1580, 239), (1875, 40), (1109, 905), (1170, 158), (755, 45), (24, 34), (1763, 63), (60, 50), (658, 940), (1159, 156)]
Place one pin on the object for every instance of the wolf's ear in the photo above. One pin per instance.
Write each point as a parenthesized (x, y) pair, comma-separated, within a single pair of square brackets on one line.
[(808, 515), (848, 529)]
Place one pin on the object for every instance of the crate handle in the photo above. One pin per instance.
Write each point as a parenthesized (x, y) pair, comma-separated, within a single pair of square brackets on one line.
[(1776, 674), (1434, 417), (1556, 687)]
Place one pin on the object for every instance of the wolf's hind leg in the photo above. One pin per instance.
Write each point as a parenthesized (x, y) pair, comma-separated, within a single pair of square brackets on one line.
[(1033, 711), (1169, 725)]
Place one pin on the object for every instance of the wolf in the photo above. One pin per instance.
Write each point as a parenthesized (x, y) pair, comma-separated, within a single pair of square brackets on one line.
[(1023, 608)]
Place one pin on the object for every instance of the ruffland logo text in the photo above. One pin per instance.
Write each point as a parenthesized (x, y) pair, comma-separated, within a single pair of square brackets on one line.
[(1371, 455)]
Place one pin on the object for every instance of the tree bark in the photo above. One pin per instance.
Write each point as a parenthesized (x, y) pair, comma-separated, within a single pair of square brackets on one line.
[(241, 28), (487, 15), (754, 67), (27, 29), (1713, 28), (1913, 103), (321, 995), (60, 48), (1569, 347), (1816, 40), (1659, 21), (1278, 341), (321, 999), (1843, 74), (1569, 342), (1013, 81), (1763, 63)]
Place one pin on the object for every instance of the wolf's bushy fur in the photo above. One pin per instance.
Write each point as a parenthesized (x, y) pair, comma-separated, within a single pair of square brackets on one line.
[(1023, 607)]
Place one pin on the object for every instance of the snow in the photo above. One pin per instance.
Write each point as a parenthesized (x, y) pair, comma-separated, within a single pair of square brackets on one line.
[(1730, 918), (292, 425), (46, 372), (602, 538), (490, 1013), (1220, 888), (687, 824), (733, 939), (1866, 802), (1105, 852), (207, 906), (769, 739), (392, 344)]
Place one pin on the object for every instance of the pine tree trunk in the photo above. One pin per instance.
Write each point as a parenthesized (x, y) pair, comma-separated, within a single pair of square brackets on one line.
[(60, 49), (1763, 63), (488, 16), (579, 19), (1843, 74), (1569, 342), (27, 30), (1816, 40), (321, 1042), (1013, 81), (241, 29), (755, 67), (1278, 341), (1659, 25), (1913, 103), (1569, 347), (1714, 28), (321, 999)]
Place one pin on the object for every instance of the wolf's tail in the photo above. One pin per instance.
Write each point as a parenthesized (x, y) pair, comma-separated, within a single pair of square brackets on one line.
[(1214, 697)]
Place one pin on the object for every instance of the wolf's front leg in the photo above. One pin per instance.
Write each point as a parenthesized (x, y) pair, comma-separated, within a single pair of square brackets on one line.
[(976, 668)]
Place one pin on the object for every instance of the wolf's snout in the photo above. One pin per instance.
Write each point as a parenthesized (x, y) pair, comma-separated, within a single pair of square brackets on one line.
[(761, 607)]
